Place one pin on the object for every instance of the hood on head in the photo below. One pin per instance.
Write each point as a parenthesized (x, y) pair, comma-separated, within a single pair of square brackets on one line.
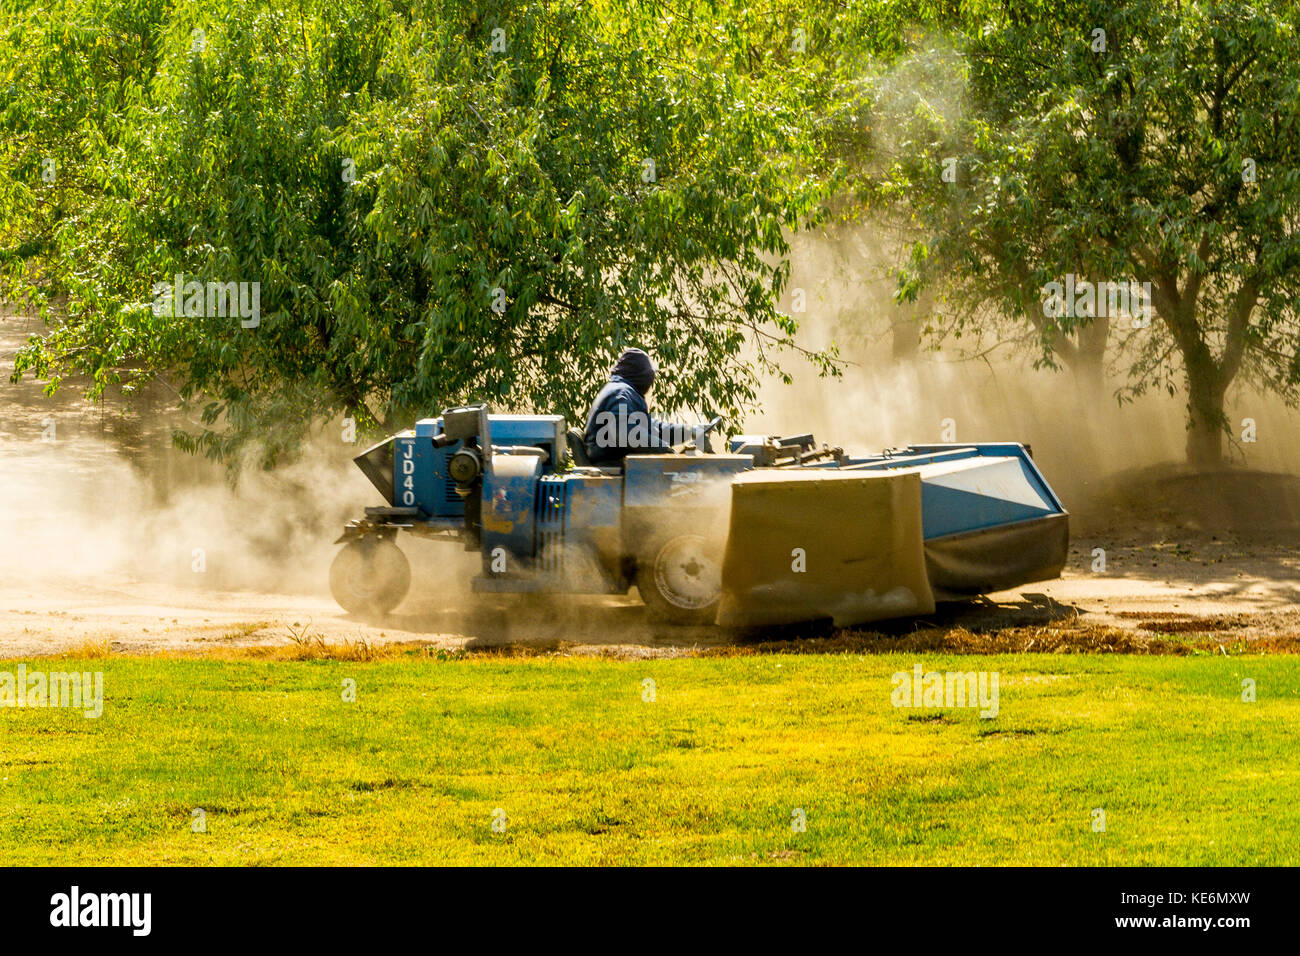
[(636, 368)]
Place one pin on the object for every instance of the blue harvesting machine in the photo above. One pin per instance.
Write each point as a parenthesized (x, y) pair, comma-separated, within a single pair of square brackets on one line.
[(774, 529)]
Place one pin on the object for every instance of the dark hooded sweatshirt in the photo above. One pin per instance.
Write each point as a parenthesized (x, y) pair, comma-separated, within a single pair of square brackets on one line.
[(619, 422)]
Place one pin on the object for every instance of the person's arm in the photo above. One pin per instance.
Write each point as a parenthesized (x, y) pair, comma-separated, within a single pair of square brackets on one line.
[(663, 435), (639, 433)]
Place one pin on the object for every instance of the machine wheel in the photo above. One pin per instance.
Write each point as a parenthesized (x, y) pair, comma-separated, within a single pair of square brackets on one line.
[(680, 579), (370, 577)]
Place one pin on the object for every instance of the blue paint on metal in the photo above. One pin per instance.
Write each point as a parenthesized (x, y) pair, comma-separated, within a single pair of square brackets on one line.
[(413, 479), (910, 458), (431, 490), (440, 498), (509, 515), (568, 513), (540, 431), (951, 511), (1002, 486), (1009, 450), (592, 503), (652, 480)]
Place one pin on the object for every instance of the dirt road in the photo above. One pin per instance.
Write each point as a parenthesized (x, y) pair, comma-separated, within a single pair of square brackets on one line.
[(1223, 585)]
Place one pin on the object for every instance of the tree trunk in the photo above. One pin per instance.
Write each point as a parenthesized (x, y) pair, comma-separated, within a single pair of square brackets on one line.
[(1205, 419)]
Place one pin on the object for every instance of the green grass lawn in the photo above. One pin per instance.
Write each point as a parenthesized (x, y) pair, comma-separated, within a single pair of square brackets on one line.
[(711, 771)]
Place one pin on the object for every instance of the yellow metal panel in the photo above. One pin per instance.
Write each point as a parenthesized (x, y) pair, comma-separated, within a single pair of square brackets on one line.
[(811, 543)]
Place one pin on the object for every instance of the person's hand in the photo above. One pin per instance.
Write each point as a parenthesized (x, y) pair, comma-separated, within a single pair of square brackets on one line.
[(704, 437)]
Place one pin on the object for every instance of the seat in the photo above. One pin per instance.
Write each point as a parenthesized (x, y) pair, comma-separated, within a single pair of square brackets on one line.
[(578, 448), (578, 452)]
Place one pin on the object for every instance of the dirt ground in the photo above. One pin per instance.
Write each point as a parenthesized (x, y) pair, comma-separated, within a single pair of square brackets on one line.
[(99, 551), (1166, 588)]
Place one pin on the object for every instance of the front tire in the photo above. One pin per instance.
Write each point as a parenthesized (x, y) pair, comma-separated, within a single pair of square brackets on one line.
[(680, 579), (370, 577)]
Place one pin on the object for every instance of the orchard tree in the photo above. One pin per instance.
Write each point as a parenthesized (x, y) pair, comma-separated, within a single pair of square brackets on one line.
[(1146, 142), (438, 201), (71, 72)]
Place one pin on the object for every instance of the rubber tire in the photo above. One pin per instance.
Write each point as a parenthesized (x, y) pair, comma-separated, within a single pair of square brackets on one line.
[(660, 606), (370, 577)]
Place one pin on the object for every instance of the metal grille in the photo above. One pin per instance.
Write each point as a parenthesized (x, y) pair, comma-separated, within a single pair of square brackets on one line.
[(552, 496), (452, 503), (449, 495)]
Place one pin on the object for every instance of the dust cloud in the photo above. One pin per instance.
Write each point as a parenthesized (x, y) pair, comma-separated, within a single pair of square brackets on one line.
[(74, 510), (95, 495), (1082, 439)]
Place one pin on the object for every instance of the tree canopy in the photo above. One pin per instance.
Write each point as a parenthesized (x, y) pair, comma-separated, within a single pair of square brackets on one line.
[(440, 201)]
